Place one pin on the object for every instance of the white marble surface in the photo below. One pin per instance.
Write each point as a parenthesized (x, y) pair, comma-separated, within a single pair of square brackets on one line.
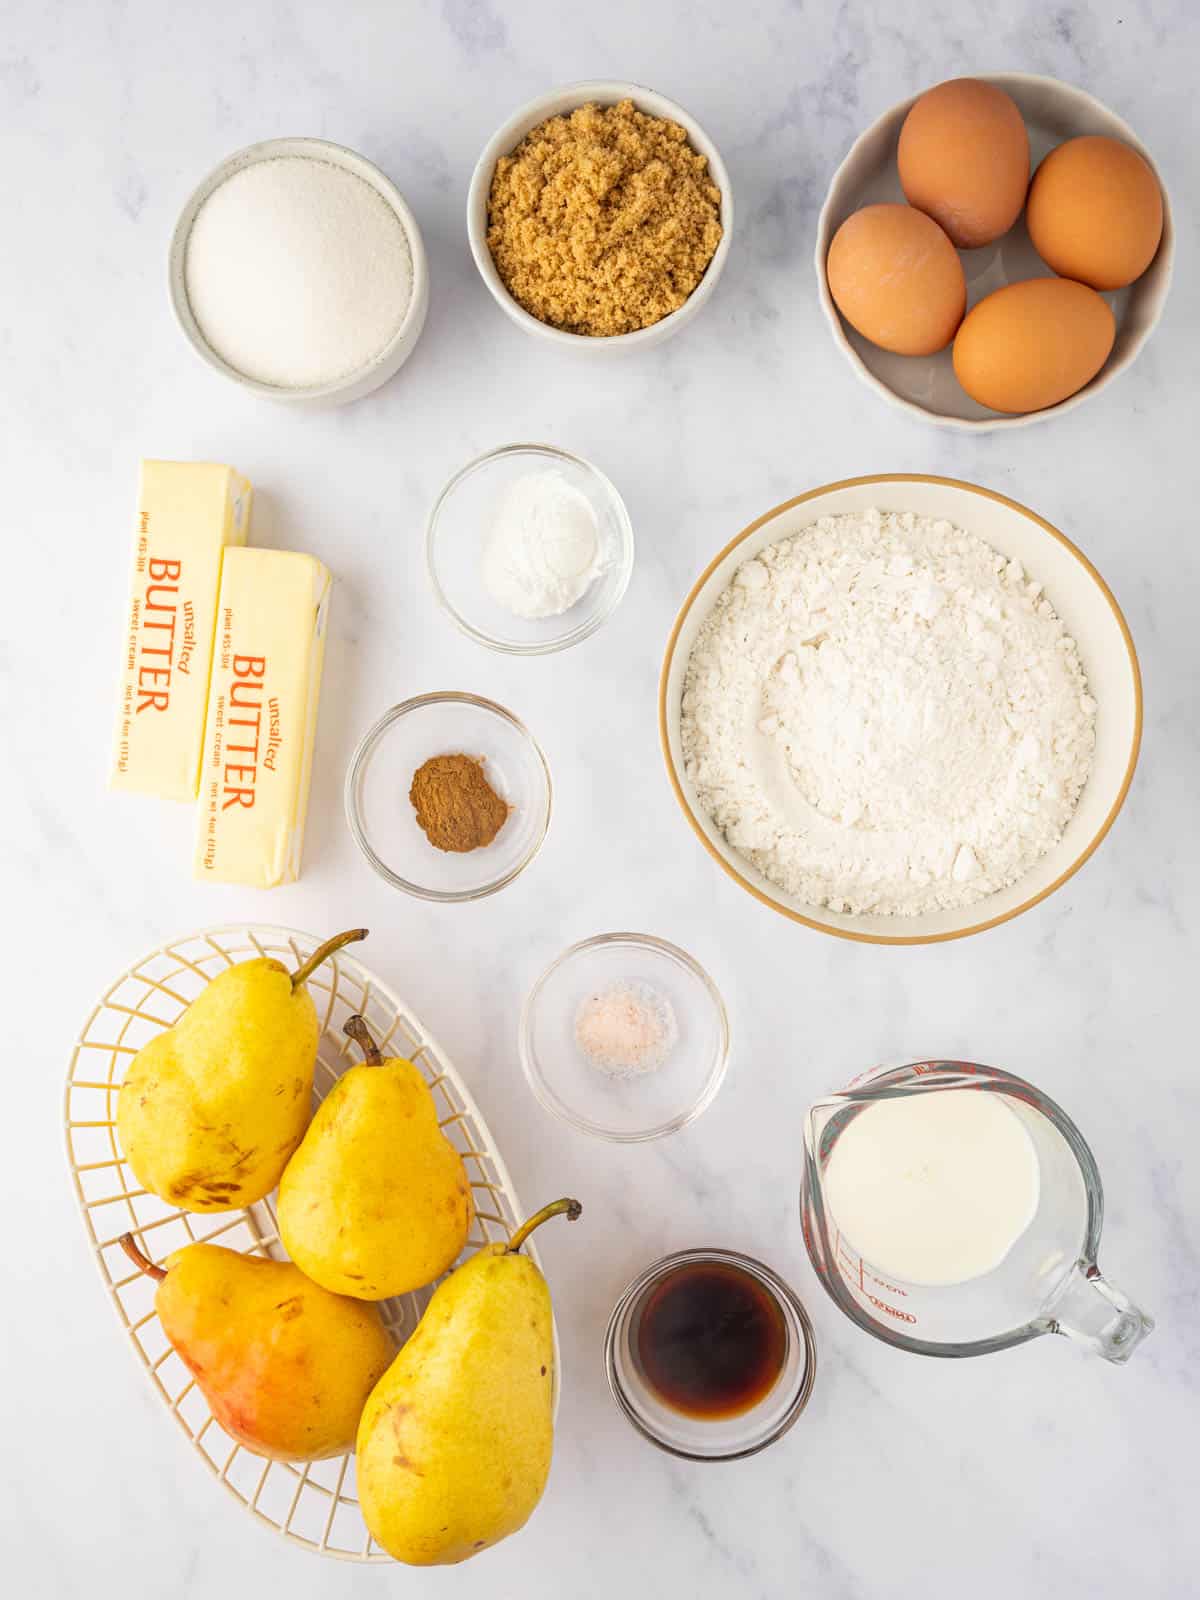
[(1042, 1470)]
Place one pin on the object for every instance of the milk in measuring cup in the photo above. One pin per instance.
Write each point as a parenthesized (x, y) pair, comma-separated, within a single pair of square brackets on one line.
[(933, 1188)]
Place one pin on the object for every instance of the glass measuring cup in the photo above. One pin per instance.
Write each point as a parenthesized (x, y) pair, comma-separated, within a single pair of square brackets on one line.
[(1047, 1283)]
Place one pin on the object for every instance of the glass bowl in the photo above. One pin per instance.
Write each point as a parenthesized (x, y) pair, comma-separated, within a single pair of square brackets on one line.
[(636, 1106), (720, 1438), (458, 528), (382, 818)]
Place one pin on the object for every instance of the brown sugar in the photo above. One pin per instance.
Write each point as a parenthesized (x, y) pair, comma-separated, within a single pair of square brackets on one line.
[(603, 221), (455, 804)]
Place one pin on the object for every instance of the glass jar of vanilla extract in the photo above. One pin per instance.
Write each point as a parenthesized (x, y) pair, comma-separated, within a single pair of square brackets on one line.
[(710, 1355)]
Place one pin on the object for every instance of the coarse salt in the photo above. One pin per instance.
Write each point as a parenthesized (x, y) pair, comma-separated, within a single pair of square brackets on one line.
[(626, 1029)]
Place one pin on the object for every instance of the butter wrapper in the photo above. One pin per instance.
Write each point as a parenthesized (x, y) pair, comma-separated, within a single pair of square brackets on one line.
[(262, 717), (188, 514)]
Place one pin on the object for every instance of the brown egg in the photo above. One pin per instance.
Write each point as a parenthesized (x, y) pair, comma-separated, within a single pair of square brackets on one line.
[(895, 277), (964, 159), (1032, 344), (1095, 212)]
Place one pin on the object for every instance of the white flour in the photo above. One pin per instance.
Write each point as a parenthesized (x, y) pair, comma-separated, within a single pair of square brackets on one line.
[(885, 715)]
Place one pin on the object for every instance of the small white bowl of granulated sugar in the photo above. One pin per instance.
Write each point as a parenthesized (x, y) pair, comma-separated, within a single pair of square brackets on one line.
[(298, 270)]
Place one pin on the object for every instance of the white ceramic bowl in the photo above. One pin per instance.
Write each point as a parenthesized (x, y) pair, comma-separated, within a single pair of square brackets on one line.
[(458, 528), (925, 386), (397, 351), (1079, 595), (604, 92)]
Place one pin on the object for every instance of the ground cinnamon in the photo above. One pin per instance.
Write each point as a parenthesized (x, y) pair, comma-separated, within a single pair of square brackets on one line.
[(455, 804)]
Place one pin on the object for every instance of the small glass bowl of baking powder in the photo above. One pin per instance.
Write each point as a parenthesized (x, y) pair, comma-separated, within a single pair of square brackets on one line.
[(625, 1037), (513, 491)]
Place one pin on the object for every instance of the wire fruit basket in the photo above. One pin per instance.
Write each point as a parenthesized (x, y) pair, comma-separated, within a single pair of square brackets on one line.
[(313, 1504)]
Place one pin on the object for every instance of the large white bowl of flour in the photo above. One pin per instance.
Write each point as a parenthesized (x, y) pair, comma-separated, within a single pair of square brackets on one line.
[(1039, 561)]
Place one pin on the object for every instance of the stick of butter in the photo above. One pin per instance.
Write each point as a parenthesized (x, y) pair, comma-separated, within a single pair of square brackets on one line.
[(262, 717), (188, 513)]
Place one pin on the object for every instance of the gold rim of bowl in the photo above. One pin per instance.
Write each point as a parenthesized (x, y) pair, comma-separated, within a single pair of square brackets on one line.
[(850, 933)]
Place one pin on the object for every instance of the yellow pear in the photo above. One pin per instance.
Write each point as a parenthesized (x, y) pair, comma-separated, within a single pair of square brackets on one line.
[(211, 1110), (284, 1365), (455, 1441), (376, 1200)]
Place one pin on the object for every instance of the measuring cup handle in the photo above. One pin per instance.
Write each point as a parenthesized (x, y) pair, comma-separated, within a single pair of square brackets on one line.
[(1094, 1312)]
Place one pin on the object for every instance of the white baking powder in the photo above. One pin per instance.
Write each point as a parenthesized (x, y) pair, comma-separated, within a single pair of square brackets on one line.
[(886, 715), (542, 552), (298, 272)]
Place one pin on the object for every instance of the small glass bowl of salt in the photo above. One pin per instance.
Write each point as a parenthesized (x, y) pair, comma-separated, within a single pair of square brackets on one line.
[(529, 549), (624, 1036)]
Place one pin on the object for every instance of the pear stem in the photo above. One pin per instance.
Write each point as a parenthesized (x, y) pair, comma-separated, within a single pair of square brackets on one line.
[(142, 1262), (323, 952), (557, 1208), (356, 1028)]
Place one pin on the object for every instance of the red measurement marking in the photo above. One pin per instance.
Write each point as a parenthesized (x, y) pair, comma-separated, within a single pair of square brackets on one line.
[(854, 1276), (848, 1262), (891, 1311), (892, 1288), (854, 1267)]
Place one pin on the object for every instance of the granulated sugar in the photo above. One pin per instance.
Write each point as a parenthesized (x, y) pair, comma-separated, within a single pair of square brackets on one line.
[(298, 272), (886, 715)]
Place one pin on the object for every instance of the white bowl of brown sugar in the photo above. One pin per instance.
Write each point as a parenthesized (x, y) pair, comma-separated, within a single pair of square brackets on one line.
[(600, 216)]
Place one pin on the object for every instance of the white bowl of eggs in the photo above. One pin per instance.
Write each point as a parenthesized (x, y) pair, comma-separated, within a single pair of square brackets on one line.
[(972, 297)]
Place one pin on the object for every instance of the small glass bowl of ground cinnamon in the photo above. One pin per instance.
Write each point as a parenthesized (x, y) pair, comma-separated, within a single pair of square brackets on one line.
[(448, 796)]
